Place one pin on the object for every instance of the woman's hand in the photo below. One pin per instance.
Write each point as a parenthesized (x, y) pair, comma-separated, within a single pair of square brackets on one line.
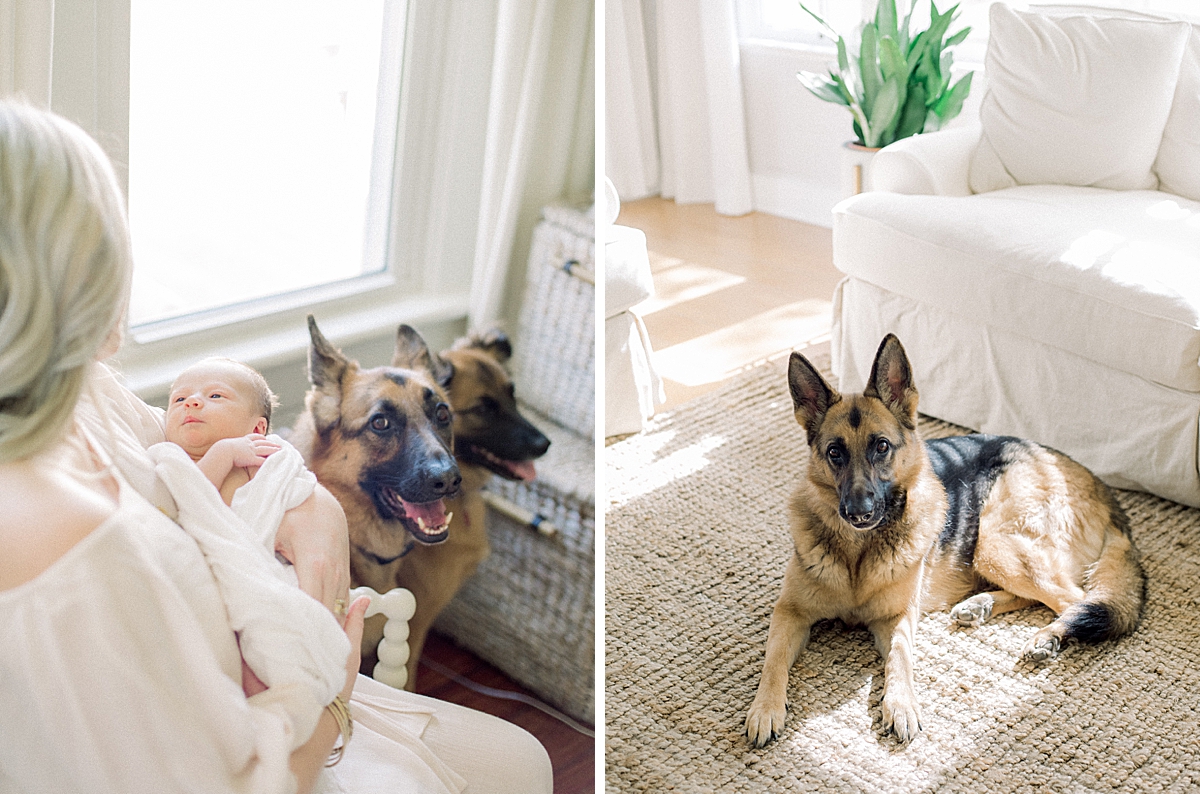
[(353, 626), (313, 537), (307, 760)]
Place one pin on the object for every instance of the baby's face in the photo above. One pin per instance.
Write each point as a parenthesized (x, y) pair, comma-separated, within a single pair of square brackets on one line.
[(211, 401)]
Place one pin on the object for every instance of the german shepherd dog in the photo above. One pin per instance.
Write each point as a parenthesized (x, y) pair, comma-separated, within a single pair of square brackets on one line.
[(886, 526), (380, 440), (491, 437)]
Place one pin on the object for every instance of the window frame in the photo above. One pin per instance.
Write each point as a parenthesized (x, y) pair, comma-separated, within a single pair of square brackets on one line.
[(413, 287)]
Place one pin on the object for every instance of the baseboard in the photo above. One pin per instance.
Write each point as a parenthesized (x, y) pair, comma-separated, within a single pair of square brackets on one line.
[(797, 199)]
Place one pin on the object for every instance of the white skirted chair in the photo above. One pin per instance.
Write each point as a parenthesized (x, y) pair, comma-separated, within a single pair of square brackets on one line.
[(632, 386)]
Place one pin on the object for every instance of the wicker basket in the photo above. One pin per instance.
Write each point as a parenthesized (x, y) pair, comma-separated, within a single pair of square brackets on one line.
[(554, 364), (530, 608)]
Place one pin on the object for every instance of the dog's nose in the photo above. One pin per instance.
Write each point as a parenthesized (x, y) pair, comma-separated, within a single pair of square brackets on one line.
[(858, 510), (444, 479)]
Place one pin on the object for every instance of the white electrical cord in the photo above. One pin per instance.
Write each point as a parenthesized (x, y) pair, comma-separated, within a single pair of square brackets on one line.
[(505, 694)]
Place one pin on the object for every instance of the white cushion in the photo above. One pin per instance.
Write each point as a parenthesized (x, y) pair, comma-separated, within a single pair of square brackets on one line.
[(1075, 100), (1178, 163), (1112, 276), (627, 277)]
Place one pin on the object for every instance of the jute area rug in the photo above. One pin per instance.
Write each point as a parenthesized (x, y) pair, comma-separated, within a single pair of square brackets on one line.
[(696, 545)]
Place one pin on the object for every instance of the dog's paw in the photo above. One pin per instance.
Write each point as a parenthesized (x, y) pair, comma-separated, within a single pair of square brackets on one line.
[(974, 611), (764, 722), (902, 717), (1042, 648)]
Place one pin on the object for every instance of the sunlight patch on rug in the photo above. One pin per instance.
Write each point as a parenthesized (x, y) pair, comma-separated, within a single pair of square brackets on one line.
[(678, 464)]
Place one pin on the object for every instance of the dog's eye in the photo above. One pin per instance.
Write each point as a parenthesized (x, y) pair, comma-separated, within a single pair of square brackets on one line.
[(835, 455), (882, 447), (380, 423), (442, 413)]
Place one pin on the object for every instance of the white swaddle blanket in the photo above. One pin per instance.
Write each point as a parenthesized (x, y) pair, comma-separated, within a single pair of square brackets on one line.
[(389, 752), (288, 639), (281, 483)]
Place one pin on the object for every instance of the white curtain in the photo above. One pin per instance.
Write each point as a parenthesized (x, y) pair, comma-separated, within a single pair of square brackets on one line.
[(631, 134), (26, 49), (540, 141), (72, 57), (684, 55)]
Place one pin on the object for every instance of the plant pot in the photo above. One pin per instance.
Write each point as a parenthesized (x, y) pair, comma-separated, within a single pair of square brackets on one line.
[(856, 168)]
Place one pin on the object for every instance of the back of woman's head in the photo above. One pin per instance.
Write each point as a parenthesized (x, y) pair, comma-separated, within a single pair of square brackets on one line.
[(65, 266)]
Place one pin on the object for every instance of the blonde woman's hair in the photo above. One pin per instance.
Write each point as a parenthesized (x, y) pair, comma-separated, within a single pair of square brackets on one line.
[(65, 269)]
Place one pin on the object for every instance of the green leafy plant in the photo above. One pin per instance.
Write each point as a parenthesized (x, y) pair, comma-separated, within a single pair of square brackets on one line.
[(897, 84)]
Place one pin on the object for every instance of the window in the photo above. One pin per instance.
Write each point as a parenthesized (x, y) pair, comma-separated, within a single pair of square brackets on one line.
[(416, 146), (261, 146)]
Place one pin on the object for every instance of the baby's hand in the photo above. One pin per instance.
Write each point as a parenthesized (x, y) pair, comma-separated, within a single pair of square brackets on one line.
[(249, 451)]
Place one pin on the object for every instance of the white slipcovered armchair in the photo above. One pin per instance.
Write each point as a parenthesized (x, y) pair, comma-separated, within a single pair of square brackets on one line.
[(1042, 268)]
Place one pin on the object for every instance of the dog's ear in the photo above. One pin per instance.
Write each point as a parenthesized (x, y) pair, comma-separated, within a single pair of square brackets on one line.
[(443, 370), (892, 382), (493, 342), (413, 353), (326, 367), (326, 364), (811, 395)]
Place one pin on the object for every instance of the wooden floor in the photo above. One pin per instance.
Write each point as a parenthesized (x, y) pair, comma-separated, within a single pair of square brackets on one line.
[(572, 754), (730, 292)]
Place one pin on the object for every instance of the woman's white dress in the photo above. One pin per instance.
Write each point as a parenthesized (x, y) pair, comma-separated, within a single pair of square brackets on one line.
[(120, 672)]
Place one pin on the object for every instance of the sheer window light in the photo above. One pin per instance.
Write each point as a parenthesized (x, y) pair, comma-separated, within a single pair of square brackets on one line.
[(260, 154)]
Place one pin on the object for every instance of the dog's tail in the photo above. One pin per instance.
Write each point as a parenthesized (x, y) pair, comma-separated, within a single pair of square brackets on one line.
[(1115, 588)]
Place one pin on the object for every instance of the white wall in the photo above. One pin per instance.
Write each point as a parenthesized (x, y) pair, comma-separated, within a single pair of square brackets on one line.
[(795, 139)]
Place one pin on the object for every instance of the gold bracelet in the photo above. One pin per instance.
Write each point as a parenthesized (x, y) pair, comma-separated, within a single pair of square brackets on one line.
[(341, 714)]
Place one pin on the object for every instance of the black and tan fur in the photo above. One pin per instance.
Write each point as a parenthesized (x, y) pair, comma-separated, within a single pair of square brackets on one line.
[(886, 526), (375, 437), (490, 436)]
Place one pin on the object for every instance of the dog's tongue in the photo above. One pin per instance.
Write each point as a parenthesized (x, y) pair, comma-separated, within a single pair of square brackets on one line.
[(522, 469), (432, 513)]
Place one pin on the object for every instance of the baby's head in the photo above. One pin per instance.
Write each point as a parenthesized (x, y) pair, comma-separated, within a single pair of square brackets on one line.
[(215, 399)]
